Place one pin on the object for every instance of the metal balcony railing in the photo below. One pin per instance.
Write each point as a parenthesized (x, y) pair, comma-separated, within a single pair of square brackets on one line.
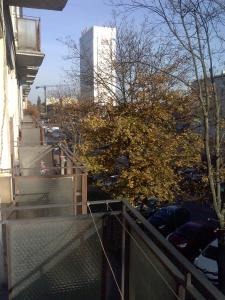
[(111, 252), (28, 34)]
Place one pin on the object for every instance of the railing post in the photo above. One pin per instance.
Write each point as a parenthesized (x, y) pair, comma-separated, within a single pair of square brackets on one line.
[(181, 290), (125, 257), (6, 261), (84, 193), (42, 135), (75, 193), (62, 163)]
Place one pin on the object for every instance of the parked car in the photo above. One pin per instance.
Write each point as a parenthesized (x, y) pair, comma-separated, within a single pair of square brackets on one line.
[(191, 238), (104, 180), (191, 174), (207, 261), (49, 130), (168, 218), (52, 129), (58, 134), (148, 207)]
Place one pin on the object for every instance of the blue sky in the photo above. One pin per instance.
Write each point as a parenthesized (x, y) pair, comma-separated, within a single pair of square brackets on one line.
[(77, 15)]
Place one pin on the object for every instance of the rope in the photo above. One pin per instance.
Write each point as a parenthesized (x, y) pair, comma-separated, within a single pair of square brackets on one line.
[(140, 248), (105, 254)]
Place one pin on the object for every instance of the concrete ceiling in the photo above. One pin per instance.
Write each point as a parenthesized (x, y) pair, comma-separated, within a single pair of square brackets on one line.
[(26, 59), (27, 71), (40, 4)]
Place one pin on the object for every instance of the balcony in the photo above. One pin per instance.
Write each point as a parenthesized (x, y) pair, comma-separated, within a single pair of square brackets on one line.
[(47, 4), (26, 90), (27, 74), (54, 244), (110, 253), (28, 52)]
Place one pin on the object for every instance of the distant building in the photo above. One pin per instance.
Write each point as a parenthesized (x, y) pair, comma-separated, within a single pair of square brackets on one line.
[(97, 72), (196, 121), (220, 86)]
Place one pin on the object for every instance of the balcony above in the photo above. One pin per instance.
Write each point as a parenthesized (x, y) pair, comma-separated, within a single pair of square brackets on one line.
[(27, 76), (28, 52), (28, 71), (26, 90), (39, 4), (29, 58), (27, 79)]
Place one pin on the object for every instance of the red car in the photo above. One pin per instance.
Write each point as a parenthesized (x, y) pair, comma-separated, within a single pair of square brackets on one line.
[(191, 237)]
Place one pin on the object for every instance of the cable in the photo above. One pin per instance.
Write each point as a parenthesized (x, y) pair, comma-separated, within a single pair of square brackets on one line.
[(140, 248), (105, 254)]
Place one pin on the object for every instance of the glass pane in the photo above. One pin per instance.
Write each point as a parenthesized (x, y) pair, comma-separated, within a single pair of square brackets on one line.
[(27, 34), (148, 278), (44, 190), (55, 259)]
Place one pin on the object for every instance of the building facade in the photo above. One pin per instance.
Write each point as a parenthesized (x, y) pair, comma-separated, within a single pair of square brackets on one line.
[(20, 59), (220, 85), (97, 57)]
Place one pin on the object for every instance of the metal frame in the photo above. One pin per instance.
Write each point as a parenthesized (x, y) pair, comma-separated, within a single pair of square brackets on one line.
[(189, 280), (125, 257)]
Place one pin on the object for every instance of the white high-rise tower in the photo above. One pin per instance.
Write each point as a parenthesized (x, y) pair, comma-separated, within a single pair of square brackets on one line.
[(97, 70)]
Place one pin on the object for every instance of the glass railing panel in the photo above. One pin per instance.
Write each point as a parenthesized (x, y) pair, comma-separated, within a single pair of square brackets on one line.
[(31, 137), (28, 34), (148, 278), (5, 187), (55, 259), (48, 190), (2, 274)]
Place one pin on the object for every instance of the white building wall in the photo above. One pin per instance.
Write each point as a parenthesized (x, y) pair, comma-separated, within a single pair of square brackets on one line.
[(5, 159), (86, 65), (98, 52), (10, 100), (14, 109)]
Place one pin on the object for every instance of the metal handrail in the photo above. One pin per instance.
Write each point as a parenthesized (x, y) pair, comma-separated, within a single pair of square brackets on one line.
[(70, 155), (29, 18), (178, 259), (184, 273), (58, 205)]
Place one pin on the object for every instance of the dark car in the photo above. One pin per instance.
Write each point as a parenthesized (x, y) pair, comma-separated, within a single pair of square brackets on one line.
[(191, 238), (148, 206), (191, 174), (168, 218)]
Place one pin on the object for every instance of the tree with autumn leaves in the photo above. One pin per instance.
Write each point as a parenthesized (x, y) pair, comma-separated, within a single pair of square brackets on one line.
[(143, 134), (135, 134)]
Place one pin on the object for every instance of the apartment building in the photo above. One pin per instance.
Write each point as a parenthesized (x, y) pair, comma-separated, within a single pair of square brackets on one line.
[(50, 247), (97, 56), (20, 59)]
